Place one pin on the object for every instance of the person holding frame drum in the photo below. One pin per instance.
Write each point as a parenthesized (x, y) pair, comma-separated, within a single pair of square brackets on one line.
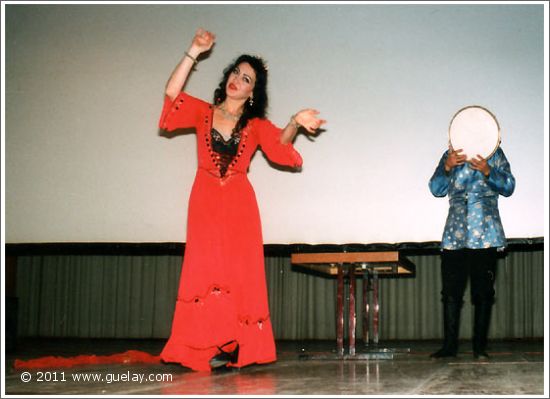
[(473, 172)]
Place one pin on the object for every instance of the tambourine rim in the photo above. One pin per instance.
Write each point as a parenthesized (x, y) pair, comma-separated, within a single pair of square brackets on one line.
[(484, 109)]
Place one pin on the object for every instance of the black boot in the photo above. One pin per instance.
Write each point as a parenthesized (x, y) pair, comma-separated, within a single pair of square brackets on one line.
[(451, 327), (223, 358), (482, 319)]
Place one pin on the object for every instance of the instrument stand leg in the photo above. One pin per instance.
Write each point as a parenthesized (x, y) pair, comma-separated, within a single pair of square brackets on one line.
[(340, 312), (366, 307), (352, 321), (376, 309)]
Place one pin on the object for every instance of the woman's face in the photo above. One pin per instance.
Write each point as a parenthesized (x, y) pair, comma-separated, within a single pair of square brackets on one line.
[(241, 81)]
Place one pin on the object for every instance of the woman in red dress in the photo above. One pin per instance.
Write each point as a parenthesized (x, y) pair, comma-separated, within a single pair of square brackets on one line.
[(221, 316)]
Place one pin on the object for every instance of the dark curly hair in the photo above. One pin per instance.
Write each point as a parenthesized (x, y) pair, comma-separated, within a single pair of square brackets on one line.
[(259, 107)]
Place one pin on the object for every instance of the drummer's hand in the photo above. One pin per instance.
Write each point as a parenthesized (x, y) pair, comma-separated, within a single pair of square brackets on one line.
[(454, 159), (480, 163), (203, 40)]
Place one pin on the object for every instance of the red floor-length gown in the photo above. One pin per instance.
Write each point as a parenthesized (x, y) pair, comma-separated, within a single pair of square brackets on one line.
[(222, 293)]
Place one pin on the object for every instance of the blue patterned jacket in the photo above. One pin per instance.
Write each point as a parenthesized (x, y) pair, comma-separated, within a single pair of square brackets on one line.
[(473, 220)]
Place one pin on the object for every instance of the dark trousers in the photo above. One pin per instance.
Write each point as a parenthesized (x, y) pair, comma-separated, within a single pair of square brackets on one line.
[(457, 268), (476, 265)]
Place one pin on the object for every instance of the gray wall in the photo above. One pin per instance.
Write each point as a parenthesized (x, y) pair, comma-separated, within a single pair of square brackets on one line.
[(84, 86)]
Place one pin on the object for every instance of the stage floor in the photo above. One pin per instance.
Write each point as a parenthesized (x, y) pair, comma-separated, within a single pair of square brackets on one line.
[(515, 368)]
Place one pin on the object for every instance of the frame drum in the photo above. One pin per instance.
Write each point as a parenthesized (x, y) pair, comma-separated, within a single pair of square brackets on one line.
[(475, 130)]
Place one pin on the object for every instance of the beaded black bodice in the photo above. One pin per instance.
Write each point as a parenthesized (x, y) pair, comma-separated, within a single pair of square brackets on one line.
[(225, 149)]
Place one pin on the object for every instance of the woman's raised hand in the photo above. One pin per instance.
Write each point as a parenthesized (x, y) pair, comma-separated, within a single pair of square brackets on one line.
[(308, 119), (203, 40)]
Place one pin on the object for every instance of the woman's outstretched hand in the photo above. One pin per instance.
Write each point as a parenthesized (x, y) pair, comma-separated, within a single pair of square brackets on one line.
[(307, 118), (203, 40)]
